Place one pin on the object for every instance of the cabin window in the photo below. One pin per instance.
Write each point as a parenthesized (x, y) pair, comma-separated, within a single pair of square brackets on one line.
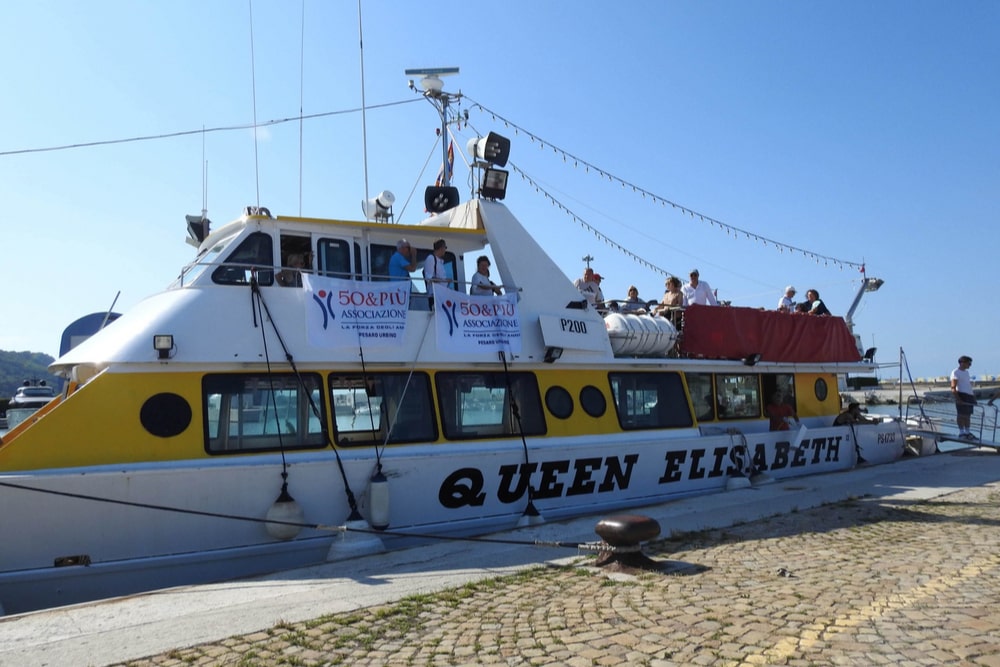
[(254, 253), (334, 258), (702, 395), (261, 412), (203, 261), (378, 259), (382, 408), (738, 396), (782, 384), (489, 405), (650, 400), (820, 389), (593, 402)]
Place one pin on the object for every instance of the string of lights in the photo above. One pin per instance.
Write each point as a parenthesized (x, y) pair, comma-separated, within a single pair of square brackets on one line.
[(663, 201), (586, 225)]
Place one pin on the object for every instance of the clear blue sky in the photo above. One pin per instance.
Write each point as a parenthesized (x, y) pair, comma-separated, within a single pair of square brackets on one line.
[(856, 130)]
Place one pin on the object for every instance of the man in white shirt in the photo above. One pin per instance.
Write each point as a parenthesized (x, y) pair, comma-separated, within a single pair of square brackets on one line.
[(590, 287), (697, 292), (786, 304), (965, 399), (434, 271)]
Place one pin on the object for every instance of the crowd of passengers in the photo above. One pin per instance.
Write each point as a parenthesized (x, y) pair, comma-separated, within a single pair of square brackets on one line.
[(677, 296)]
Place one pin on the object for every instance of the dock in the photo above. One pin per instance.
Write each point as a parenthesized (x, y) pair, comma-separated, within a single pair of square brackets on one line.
[(871, 563)]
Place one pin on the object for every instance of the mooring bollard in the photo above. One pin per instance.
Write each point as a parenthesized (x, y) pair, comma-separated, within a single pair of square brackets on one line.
[(623, 534)]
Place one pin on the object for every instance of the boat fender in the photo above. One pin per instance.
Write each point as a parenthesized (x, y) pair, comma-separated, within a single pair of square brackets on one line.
[(378, 500), (284, 509)]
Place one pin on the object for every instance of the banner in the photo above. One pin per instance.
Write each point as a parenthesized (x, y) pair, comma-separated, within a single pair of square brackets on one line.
[(349, 313), (467, 323)]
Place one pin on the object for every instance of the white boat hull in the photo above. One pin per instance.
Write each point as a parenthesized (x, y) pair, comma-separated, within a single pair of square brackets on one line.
[(445, 490)]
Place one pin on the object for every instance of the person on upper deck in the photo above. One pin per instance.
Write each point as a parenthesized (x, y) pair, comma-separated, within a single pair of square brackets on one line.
[(590, 287), (481, 283), (698, 292), (632, 305), (816, 307), (672, 303), (434, 270), (403, 261), (786, 304), (852, 415)]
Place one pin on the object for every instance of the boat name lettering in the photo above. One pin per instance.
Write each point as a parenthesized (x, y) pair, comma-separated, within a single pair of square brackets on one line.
[(886, 438), (694, 464), (466, 486), (573, 326), (492, 309), (385, 314), (355, 297)]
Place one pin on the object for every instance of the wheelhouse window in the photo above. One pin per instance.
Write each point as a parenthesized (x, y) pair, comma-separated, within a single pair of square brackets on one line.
[(254, 253), (382, 408), (489, 405), (650, 400), (334, 258), (260, 412), (203, 261), (738, 396)]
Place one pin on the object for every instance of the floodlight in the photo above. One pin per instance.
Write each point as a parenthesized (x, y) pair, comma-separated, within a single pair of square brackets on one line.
[(494, 184), (163, 344)]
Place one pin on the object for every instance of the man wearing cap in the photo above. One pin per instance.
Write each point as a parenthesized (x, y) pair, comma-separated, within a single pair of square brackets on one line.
[(590, 287), (434, 271), (786, 304), (697, 292)]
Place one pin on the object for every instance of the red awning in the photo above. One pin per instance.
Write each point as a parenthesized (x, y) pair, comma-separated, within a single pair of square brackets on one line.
[(718, 332)]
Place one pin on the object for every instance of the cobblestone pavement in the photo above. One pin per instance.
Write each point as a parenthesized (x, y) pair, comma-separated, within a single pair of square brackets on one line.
[(864, 582)]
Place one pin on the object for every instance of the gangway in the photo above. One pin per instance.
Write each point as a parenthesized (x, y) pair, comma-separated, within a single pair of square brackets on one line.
[(934, 416)]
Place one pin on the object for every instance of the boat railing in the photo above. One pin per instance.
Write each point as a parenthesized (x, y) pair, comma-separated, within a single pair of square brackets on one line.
[(937, 413)]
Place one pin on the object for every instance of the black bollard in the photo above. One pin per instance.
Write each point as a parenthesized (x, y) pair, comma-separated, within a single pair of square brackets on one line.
[(623, 534)]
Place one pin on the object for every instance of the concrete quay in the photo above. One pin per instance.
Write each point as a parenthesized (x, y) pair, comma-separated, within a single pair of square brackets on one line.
[(895, 564)]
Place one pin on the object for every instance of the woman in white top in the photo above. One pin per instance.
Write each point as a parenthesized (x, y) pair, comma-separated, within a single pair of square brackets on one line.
[(481, 283)]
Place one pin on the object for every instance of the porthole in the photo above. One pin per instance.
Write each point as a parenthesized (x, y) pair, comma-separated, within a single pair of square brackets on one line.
[(820, 389), (165, 415), (592, 401), (559, 402)]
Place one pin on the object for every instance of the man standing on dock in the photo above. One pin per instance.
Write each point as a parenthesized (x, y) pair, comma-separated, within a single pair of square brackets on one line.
[(965, 400)]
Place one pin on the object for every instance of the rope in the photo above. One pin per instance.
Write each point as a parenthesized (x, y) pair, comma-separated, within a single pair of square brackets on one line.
[(259, 298), (588, 546)]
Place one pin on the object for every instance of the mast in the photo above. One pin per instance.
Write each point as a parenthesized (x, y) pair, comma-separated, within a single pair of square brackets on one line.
[(433, 88)]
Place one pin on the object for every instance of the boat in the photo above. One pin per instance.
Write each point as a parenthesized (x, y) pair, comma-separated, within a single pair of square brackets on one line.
[(231, 425), (26, 401)]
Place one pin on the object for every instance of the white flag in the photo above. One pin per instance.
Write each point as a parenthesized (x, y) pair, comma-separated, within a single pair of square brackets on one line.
[(349, 313), (467, 323)]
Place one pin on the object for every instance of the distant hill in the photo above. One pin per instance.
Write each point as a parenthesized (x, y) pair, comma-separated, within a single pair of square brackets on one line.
[(16, 367)]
